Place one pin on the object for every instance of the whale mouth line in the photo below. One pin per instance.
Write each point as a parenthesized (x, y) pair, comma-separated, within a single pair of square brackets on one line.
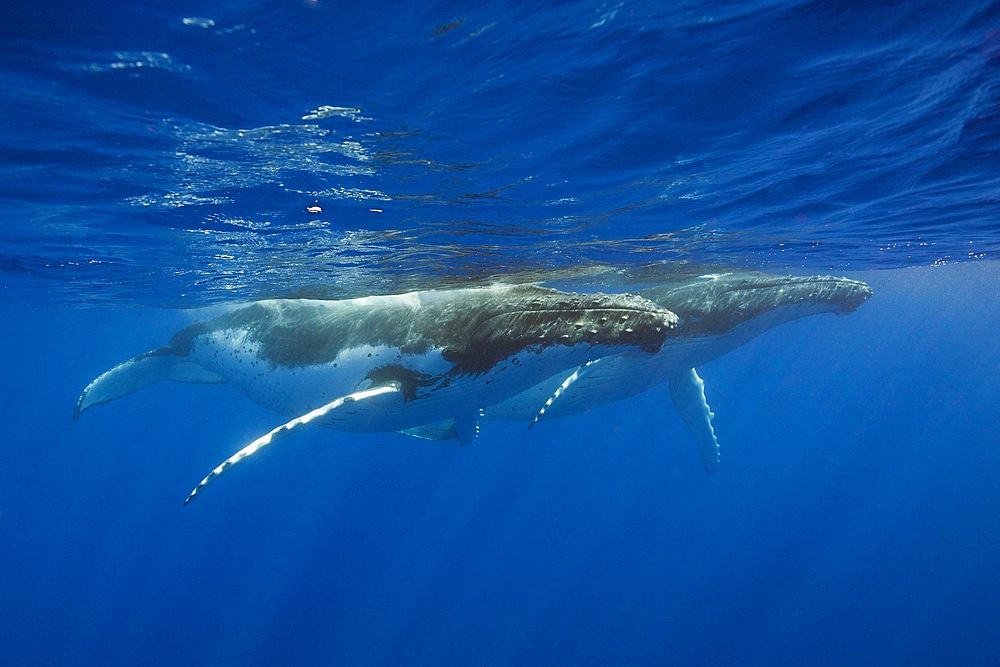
[(845, 299), (571, 309), (776, 284)]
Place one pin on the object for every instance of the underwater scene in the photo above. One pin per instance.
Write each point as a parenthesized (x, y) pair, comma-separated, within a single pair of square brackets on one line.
[(567, 333)]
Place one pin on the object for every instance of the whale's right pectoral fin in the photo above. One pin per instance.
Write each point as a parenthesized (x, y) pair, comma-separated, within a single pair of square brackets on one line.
[(688, 393), (438, 431), (359, 401), (575, 377), (127, 377)]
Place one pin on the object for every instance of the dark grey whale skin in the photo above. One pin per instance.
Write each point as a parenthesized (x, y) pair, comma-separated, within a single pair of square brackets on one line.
[(714, 304), (517, 351), (477, 328), (718, 313), (474, 330)]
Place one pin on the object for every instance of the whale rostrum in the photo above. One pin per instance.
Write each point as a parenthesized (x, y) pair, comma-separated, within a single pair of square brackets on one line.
[(441, 364)]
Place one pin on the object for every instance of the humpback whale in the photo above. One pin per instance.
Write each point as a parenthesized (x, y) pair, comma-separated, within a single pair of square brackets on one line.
[(718, 312), (441, 364), (391, 363)]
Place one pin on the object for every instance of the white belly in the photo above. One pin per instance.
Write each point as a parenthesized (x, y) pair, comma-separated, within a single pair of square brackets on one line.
[(296, 391)]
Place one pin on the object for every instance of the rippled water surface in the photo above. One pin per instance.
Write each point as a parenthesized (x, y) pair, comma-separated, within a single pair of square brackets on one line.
[(179, 155)]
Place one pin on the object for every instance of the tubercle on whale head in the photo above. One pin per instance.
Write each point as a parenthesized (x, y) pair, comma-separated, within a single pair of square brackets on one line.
[(858, 293), (831, 294), (842, 295)]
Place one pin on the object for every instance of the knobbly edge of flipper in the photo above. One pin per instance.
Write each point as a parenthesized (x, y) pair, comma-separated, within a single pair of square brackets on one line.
[(688, 393), (292, 426), (579, 373)]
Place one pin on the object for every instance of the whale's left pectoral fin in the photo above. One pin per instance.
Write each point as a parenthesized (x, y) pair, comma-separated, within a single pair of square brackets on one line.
[(688, 393), (126, 378), (464, 428), (191, 373), (390, 391)]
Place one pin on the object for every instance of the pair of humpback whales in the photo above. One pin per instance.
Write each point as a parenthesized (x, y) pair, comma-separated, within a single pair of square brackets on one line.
[(441, 364)]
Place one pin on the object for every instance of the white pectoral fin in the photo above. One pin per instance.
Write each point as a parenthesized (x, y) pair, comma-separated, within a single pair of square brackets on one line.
[(188, 371), (688, 393), (576, 376), (125, 378), (342, 403), (442, 430)]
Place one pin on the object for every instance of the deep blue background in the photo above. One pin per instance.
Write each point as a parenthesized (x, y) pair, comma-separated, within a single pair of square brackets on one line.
[(854, 519), (150, 164)]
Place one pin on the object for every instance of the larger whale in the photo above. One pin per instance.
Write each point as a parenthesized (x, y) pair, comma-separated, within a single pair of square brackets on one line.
[(718, 312), (439, 364)]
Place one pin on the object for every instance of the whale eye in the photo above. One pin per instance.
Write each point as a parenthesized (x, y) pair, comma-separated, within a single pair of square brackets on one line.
[(450, 355)]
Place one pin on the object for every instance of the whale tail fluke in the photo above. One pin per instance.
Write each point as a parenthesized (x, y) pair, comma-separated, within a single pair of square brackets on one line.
[(138, 373)]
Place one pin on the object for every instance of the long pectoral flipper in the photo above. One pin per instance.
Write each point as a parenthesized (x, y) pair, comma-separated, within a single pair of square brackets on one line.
[(438, 431), (140, 372), (688, 393), (291, 426), (125, 378), (574, 377)]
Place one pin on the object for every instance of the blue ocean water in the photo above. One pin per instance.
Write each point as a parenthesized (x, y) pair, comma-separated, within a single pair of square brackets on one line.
[(166, 156)]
